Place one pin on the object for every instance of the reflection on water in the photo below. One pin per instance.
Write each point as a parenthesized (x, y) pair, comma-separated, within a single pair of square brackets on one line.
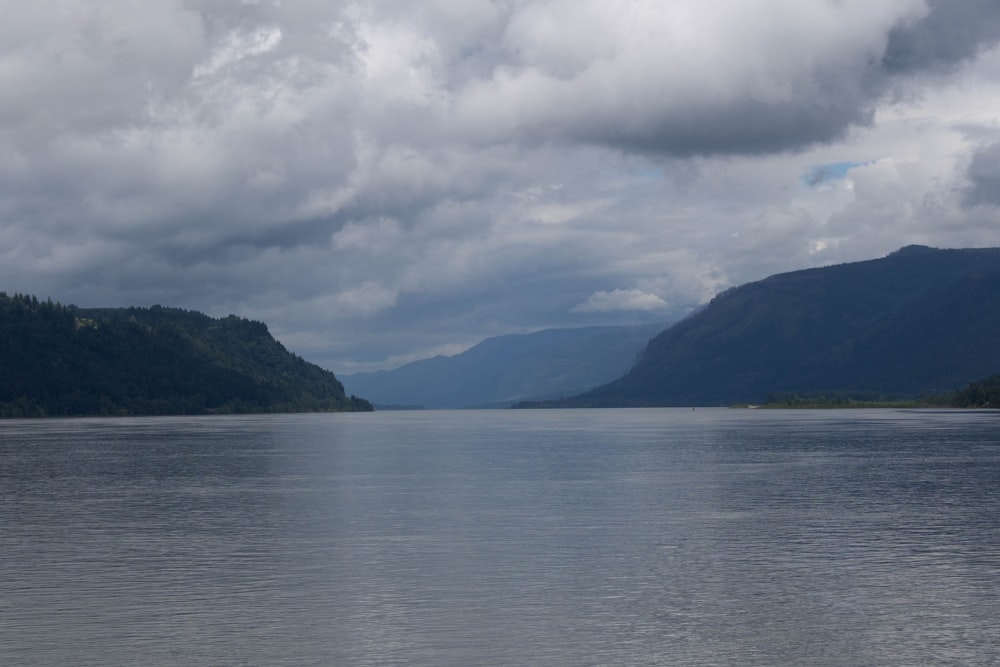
[(625, 537)]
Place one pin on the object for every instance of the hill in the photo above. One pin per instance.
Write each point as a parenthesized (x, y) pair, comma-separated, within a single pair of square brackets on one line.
[(919, 321), (505, 369), (980, 394), (61, 360)]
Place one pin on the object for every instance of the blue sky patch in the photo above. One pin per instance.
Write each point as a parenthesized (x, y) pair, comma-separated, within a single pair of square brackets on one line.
[(834, 171)]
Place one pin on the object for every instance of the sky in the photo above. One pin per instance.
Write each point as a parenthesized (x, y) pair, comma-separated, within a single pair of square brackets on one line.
[(388, 180)]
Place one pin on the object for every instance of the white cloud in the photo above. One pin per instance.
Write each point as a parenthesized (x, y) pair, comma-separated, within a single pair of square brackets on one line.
[(620, 299), (399, 65), (237, 45)]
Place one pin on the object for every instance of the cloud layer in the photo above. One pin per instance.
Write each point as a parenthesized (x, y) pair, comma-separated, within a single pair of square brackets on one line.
[(383, 180)]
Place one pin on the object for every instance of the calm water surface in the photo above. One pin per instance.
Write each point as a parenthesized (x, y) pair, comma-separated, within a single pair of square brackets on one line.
[(612, 537)]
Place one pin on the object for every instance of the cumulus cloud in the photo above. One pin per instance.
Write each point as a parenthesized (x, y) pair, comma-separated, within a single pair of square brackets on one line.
[(381, 178), (620, 299), (687, 79)]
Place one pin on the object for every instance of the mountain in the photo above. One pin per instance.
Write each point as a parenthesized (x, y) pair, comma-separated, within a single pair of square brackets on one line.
[(61, 360), (505, 369), (919, 321)]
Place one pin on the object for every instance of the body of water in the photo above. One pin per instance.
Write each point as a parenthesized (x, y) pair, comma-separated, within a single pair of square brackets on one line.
[(582, 537)]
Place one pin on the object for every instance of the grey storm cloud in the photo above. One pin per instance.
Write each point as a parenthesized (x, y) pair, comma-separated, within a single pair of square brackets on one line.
[(769, 77), (950, 32), (984, 177), (379, 180)]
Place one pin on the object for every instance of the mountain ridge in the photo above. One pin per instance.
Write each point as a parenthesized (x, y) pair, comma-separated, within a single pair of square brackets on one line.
[(501, 370), (879, 324), (66, 361)]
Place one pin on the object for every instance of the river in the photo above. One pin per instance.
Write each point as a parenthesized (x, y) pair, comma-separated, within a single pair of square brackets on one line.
[(577, 537)]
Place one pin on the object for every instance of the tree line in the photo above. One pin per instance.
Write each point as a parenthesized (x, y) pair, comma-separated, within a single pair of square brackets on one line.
[(60, 360)]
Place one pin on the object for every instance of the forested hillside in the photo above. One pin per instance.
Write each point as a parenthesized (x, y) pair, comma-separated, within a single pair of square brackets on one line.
[(61, 360), (919, 321), (980, 394)]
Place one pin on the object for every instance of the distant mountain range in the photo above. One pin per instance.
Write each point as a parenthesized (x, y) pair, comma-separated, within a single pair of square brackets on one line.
[(500, 371), (61, 360), (919, 321)]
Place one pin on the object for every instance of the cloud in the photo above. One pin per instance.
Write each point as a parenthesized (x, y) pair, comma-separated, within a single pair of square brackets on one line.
[(381, 178), (620, 299), (676, 78), (984, 177), (825, 173), (950, 32), (237, 45)]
